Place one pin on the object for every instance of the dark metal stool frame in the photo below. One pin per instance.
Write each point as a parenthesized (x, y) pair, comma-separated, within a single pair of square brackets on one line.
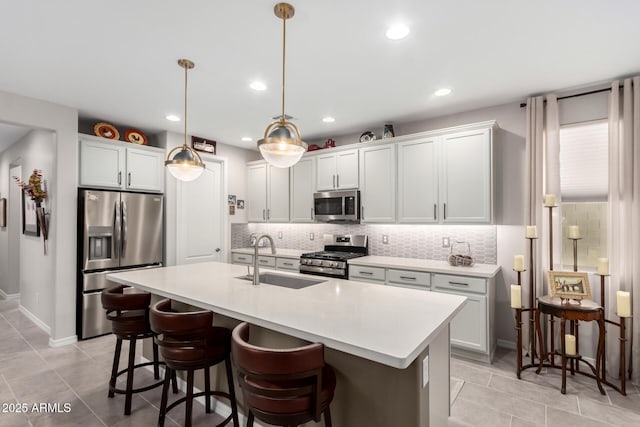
[(190, 333), (129, 314), (280, 375)]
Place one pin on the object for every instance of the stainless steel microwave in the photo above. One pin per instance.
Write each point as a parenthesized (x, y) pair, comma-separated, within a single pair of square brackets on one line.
[(337, 206)]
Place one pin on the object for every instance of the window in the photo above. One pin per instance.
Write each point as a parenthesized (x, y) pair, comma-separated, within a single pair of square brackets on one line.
[(584, 186)]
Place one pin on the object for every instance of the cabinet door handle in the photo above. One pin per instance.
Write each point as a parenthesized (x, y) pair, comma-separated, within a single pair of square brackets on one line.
[(338, 181), (268, 213), (334, 181), (407, 278), (366, 273), (435, 211), (311, 217), (264, 215), (129, 179), (119, 178), (458, 284), (362, 211), (445, 211)]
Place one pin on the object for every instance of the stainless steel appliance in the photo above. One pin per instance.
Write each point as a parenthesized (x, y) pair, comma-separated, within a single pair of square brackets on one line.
[(116, 231), (337, 206), (333, 261)]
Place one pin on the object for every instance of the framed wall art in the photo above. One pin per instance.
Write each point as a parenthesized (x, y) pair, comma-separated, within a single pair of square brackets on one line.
[(30, 225), (569, 285), (203, 144)]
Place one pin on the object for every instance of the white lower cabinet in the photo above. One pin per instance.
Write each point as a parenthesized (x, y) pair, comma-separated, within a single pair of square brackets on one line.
[(241, 259), (267, 261)]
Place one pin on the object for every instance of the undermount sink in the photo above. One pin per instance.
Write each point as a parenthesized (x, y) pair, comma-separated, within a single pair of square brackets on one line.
[(284, 281)]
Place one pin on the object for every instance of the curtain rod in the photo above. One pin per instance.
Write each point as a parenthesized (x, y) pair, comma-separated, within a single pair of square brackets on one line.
[(524, 104)]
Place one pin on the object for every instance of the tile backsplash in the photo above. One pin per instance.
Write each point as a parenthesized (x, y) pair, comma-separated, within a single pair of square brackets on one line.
[(408, 241)]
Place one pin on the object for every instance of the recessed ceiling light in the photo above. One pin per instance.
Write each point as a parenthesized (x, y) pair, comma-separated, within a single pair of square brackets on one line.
[(442, 92), (258, 85), (397, 32), (172, 118), (247, 139), (328, 119)]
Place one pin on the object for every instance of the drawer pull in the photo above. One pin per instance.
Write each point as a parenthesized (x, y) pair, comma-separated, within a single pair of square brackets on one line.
[(368, 273), (263, 261), (290, 264), (407, 278), (241, 258), (458, 283)]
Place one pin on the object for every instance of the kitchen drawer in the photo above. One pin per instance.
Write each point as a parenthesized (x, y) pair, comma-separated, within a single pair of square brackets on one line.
[(357, 271), (241, 258), (288, 264), (406, 277), (266, 261), (460, 283)]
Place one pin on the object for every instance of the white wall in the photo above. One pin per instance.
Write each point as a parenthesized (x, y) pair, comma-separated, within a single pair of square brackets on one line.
[(34, 151), (63, 121)]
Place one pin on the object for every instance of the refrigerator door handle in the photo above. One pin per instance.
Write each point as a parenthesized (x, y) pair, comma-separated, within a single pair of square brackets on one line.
[(124, 230), (116, 229)]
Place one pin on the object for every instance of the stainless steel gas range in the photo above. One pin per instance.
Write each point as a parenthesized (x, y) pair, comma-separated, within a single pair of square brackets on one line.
[(334, 260)]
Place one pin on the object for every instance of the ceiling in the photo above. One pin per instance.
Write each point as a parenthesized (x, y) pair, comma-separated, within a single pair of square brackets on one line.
[(116, 61)]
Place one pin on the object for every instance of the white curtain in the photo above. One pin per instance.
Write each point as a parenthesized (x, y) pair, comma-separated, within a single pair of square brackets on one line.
[(542, 177), (624, 218)]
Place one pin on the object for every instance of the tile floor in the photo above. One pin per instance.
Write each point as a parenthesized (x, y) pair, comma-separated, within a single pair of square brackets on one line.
[(487, 395)]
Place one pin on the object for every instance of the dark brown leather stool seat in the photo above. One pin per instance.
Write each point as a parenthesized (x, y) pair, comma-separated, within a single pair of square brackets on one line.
[(283, 387), (188, 341), (129, 316)]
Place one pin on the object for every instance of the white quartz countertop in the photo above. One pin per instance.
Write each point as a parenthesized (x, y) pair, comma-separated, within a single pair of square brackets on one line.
[(280, 253), (385, 324), (427, 265)]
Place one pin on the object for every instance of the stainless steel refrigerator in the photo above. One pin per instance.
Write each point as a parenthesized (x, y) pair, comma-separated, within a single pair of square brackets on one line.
[(116, 231)]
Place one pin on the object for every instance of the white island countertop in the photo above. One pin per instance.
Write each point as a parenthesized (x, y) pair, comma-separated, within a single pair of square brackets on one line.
[(385, 324), (426, 265)]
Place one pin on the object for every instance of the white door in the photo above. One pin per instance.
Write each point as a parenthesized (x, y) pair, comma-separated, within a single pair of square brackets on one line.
[(278, 196), (303, 185), (326, 172), (378, 179), (256, 203), (347, 169), (418, 181), (200, 219)]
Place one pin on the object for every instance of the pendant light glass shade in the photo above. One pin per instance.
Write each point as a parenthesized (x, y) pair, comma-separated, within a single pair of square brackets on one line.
[(282, 145), (186, 164)]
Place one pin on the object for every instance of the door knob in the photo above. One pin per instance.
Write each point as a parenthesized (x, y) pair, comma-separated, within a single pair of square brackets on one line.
[(217, 249)]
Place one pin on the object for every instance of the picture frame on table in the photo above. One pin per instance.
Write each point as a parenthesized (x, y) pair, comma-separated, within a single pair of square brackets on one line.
[(569, 285), (30, 226), (204, 145)]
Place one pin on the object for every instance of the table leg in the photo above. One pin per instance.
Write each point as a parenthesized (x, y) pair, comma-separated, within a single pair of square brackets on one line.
[(577, 344), (553, 345), (563, 359), (519, 341), (600, 352)]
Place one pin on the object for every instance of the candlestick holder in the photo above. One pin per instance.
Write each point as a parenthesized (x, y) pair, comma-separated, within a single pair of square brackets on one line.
[(532, 299), (575, 251), (550, 207)]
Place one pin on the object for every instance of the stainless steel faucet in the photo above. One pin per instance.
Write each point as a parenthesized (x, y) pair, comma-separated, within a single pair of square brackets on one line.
[(256, 274)]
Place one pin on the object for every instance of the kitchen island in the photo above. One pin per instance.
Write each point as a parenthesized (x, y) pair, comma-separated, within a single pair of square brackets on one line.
[(389, 346)]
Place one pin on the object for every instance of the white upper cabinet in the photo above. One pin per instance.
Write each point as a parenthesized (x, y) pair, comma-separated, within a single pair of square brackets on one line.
[(337, 171), (418, 181), (268, 193), (378, 183), (465, 185), (120, 166), (303, 185)]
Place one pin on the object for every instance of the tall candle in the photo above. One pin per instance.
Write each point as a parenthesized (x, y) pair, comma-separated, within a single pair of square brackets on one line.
[(574, 232), (569, 345), (624, 304), (532, 232), (518, 263), (549, 199), (603, 266), (516, 296)]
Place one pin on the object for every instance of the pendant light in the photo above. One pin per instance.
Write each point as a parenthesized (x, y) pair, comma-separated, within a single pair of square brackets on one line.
[(186, 164), (282, 146)]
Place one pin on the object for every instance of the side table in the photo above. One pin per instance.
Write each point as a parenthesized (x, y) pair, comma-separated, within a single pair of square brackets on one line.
[(585, 310)]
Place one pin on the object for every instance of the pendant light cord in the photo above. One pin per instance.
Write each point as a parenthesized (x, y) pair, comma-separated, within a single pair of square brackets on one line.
[(186, 69), (284, 40)]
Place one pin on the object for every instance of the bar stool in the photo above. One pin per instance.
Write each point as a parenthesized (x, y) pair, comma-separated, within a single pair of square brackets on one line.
[(188, 341), (283, 387), (129, 315)]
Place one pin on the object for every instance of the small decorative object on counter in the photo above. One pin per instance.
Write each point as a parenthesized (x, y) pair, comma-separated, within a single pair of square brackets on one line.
[(388, 131), (330, 143), (35, 191), (460, 256), (367, 136)]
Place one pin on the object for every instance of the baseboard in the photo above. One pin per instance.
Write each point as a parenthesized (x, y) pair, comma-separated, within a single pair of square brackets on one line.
[(35, 319), (509, 345), (8, 297), (63, 341), (220, 407)]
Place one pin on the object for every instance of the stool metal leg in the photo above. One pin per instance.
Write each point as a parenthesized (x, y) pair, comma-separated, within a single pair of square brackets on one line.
[(168, 375), (156, 364), (232, 392), (131, 366), (327, 418), (114, 370), (207, 389), (189, 401)]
